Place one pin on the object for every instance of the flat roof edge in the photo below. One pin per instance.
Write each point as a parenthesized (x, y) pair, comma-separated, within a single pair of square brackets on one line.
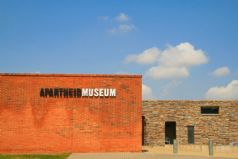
[(70, 75), (190, 100)]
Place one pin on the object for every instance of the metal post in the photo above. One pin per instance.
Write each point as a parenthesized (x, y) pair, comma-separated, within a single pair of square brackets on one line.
[(210, 147), (175, 146)]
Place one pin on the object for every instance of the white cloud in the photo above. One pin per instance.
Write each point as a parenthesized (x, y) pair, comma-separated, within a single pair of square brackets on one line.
[(122, 28), (122, 17), (171, 63), (224, 92), (221, 72), (148, 56), (167, 88), (161, 72), (182, 55), (146, 92)]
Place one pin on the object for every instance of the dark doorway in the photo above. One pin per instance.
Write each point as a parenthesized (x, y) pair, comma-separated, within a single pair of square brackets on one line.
[(143, 130), (191, 134), (170, 132)]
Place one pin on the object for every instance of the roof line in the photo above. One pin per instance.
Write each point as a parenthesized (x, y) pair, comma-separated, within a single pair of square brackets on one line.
[(71, 75)]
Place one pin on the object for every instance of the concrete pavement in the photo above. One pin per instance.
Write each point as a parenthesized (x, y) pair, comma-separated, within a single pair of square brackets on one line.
[(136, 156)]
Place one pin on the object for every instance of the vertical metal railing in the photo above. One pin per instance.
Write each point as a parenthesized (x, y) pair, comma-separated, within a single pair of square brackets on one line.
[(175, 146), (210, 147)]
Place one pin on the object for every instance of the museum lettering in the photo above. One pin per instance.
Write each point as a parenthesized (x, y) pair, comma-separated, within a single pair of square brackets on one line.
[(77, 92)]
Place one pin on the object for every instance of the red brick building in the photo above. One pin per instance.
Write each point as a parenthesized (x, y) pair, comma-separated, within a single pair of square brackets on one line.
[(41, 113)]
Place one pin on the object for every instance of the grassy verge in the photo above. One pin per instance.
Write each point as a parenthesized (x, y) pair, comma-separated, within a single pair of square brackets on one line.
[(34, 156)]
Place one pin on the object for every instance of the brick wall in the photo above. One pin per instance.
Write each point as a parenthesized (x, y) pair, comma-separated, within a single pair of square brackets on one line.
[(33, 124), (221, 128)]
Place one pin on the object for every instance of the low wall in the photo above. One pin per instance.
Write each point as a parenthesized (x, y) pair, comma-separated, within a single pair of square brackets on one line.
[(197, 150)]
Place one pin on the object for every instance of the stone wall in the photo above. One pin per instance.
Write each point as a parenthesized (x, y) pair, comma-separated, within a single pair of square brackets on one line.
[(221, 128)]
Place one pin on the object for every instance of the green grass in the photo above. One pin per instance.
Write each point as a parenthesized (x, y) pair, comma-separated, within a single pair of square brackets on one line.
[(34, 156)]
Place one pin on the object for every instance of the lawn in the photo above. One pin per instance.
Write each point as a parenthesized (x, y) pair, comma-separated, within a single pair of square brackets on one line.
[(34, 156)]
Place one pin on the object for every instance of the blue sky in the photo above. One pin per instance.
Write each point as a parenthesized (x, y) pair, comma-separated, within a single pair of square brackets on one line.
[(197, 39)]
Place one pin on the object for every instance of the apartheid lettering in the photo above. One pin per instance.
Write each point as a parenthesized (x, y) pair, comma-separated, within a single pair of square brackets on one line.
[(77, 92)]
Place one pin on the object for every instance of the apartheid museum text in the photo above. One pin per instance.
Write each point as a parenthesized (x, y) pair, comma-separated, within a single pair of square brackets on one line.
[(77, 92)]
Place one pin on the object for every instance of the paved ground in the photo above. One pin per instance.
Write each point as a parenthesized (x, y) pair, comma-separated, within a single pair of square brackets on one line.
[(135, 156), (165, 152)]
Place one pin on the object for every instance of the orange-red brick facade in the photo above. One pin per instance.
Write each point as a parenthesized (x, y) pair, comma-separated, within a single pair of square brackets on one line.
[(30, 123)]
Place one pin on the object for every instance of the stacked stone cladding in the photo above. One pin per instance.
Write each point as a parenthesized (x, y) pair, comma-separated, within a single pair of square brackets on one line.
[(221, 128)]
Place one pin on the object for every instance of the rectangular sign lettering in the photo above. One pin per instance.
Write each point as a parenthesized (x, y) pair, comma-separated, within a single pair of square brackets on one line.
[(77, 92)]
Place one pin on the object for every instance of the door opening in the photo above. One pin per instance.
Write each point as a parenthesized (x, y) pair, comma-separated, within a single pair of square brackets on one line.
[(191, 134), (143, 130), (170, 132)]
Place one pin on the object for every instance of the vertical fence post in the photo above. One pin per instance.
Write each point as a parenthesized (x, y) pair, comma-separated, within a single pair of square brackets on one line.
[(175, 147), (210, 147)]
